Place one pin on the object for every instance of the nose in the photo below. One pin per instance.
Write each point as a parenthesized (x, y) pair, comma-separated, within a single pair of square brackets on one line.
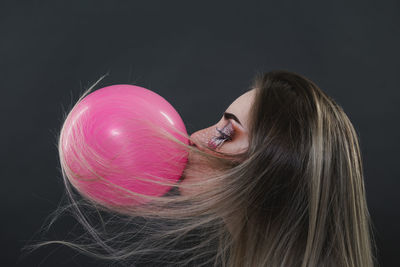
[(200, 138), (195, 139), (191, 142)]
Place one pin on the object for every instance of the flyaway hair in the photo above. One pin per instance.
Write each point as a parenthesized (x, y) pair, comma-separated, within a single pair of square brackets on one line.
[(295, 197)]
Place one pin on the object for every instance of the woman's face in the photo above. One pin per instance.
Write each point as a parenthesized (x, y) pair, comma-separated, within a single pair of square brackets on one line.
[(229, 135)]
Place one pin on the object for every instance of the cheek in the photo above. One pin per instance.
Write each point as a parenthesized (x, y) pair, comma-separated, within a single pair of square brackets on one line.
[(239, 145)]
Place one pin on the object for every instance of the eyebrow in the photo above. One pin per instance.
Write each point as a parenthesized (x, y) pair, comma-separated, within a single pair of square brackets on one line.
[(228, 116)]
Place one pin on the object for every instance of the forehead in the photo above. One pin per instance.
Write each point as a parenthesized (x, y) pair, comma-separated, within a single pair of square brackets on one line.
[(241, 107)]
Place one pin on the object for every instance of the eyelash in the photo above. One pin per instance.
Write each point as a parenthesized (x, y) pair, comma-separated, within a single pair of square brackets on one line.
[(226, 133)]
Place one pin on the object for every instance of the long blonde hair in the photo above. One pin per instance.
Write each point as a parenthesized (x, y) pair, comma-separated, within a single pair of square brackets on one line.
[(296, 197)]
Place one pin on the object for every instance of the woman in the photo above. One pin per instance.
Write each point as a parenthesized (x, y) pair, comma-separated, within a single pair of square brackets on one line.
[(278, 181), (297, 198)]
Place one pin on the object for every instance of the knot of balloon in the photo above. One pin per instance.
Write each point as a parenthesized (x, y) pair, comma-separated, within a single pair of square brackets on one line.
[(114, 148)]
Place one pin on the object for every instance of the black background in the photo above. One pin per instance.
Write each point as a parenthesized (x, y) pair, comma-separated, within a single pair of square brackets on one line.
[(200, 56)]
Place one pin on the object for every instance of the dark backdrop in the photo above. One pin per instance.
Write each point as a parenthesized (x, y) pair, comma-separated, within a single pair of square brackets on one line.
[(200, 56)]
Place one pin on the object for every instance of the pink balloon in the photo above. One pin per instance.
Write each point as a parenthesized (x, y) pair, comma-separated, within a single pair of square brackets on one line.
[(109, 144)]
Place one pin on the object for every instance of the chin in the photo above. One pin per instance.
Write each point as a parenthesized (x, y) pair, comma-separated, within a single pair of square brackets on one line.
[(195, 172)]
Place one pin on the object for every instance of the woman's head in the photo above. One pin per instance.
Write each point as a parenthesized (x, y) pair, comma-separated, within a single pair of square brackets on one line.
[(276, 182), (229, 135), (298, 192)]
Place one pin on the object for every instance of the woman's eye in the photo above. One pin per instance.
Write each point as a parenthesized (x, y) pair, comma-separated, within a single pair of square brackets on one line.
[(225, 134)]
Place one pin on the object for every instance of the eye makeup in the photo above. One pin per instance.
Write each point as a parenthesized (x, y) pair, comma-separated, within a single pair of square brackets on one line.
[(225, 134), (228, 116)]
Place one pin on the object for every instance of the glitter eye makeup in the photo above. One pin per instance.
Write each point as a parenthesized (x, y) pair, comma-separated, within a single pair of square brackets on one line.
[(225, 134)]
